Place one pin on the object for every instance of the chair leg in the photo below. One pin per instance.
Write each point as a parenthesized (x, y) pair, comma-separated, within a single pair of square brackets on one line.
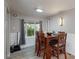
[(65, 55), (35, 48), (47, 54), (57, 53), (44, 56), (38, 53), (38, 50)]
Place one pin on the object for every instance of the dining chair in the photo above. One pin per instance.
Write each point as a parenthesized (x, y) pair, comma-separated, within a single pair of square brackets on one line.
[(55, 46), (60, 47), (41, 43), (37, 42)]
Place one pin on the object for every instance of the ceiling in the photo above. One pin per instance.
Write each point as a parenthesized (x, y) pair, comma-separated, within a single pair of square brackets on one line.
[(50, 7)]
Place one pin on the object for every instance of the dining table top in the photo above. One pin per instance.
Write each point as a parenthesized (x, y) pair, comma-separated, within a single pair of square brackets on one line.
[(51, 36)]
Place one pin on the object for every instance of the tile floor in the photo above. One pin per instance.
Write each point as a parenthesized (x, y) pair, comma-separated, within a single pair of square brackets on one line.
[(28, 53)]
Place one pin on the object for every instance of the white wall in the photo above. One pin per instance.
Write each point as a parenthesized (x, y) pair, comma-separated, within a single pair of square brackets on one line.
[(70, 45), (6, 36), (15, 22), (14, 25), (6, 32), (69, 22), (69, 27)]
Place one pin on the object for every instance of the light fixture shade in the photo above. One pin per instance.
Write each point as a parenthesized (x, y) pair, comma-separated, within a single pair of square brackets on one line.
[(39, 10), (61, 21)]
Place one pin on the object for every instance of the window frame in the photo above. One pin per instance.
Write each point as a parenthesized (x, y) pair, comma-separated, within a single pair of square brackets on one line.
[(26, 30)]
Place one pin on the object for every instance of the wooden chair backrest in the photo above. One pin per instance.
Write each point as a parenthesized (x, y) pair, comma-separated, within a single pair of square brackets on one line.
[(41, 36), (62, 38)]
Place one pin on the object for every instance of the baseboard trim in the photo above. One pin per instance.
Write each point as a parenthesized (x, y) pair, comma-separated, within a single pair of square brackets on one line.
[(8, 55), (70, 54)]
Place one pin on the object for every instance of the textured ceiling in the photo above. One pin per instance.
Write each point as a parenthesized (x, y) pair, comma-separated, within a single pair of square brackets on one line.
[(50, 7)]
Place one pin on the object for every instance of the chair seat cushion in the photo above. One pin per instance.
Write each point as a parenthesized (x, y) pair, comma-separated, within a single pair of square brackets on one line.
[(53, 42), (60, 45)]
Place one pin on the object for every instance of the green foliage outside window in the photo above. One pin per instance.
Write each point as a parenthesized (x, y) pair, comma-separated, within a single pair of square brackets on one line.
[(30, 31)]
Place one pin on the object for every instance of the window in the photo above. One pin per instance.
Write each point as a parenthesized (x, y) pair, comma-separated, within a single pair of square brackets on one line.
[(30, 29)]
